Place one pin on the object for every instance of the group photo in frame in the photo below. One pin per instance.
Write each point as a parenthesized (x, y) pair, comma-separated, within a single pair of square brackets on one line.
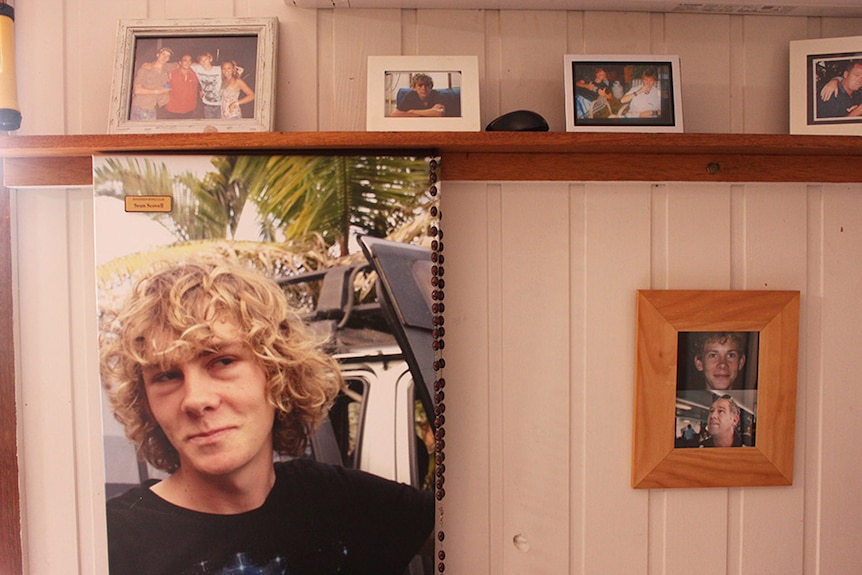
[(423, 93), (715, 370), (826, 86), (623, 93), (214, 75)]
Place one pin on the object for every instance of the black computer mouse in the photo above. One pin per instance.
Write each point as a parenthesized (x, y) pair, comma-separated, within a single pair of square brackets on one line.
[(518, 121)]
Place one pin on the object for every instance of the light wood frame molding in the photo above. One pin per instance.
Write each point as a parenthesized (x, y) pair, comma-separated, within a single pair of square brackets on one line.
[(661, 315)]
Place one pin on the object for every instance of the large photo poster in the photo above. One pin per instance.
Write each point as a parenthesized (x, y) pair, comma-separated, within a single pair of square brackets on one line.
[(267, 357)]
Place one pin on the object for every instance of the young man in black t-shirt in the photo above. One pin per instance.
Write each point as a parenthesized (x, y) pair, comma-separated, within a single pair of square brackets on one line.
[(210, 371)]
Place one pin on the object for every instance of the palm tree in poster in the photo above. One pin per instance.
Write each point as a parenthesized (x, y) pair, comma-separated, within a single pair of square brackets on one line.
[(306, 208), (299, 199), (336, 197), (203, 209)]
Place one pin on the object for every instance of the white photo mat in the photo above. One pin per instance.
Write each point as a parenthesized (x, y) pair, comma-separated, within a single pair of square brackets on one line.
[(387, 73)]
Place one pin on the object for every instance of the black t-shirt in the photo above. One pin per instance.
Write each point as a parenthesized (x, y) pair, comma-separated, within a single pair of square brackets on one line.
[(317, 520)]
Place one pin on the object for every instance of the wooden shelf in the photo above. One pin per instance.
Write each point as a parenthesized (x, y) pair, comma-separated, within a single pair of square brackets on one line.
[(477, 156)]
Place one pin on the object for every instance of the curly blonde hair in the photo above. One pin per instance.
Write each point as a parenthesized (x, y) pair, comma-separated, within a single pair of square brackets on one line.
[(170, 317)]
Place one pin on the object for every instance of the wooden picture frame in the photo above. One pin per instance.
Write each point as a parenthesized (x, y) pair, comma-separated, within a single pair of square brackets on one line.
[(661, 316), (813, 64), (250, 44), (455, 79), (605, 93)]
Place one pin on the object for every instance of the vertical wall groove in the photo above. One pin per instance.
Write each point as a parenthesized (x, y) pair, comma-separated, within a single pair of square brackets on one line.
[(578, 405), (812, 416), (497, 541)]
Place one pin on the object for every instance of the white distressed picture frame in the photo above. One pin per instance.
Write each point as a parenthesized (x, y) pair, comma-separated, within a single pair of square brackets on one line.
[(131, 31)]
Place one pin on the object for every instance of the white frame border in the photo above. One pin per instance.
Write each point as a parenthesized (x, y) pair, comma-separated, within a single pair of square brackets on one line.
[(264, 102), (800, 50), (376, 120), (676, 84)]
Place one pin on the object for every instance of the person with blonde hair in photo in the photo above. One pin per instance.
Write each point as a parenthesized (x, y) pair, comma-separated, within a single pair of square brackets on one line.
[(234, 91), (644, 98), (209, 77), (423, 101), (211, 373)]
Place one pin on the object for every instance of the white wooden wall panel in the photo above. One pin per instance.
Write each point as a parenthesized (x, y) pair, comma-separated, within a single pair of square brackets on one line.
[(86, 393), (808, 433), (63, 497), (214, 9), (297, 103), (575, 32), (326, 78), (837, 27), (447, 33), (775, 231), (617, 33), (350, 37), (492, 75), (474, 538), (839, 423), (539, 391), (531, 47), (41, 61), (691, 250), (534, 413), (696, 250), (689, 527), (499, 539), (767, 71), (617, 248), (46, 408), (702, 43), (579, 363)]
